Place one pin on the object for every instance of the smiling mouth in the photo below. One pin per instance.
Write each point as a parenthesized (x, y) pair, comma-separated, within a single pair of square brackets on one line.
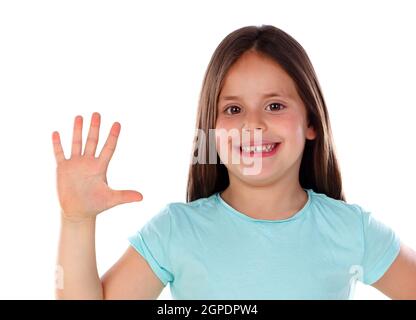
[(259, 148), (264, 150)]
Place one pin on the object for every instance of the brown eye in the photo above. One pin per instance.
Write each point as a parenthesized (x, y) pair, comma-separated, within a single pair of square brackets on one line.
[(277, 106), (232, 110)]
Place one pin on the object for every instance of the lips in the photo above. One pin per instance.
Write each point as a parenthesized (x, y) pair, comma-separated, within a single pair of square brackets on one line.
[(264, 152), (263, 142)]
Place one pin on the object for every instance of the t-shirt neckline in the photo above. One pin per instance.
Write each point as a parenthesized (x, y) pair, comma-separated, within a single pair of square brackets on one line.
[(295, 216)]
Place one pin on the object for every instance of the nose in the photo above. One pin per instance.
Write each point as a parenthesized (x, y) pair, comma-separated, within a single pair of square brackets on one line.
[(253, 122)]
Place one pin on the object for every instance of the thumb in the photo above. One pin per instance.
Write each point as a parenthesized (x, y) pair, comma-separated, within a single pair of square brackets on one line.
[(124, 196)]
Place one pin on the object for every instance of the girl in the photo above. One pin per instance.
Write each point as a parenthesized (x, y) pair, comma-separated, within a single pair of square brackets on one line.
[(284, 232)]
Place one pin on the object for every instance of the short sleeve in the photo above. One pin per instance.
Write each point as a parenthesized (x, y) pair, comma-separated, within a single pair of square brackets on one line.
[(152, 241), (381, 247)]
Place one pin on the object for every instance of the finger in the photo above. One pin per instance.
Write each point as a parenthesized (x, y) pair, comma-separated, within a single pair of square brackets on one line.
[(111, 143), (124, 196), (57, 147), (92, 139), (77, 137)]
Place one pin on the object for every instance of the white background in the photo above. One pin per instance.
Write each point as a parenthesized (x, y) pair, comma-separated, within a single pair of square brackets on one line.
[(142, 64)]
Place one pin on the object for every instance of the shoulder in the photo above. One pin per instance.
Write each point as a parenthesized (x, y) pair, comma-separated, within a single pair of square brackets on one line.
[(337, 213), (344, 216), (327, 205), (181, 213), (196, 205), (197, 210), (341, 223)]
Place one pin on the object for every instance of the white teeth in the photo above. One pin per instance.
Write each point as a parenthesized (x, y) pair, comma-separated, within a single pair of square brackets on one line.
[(263, 148)]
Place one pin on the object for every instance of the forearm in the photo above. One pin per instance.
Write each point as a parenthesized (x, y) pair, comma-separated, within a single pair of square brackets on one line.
[(77, 274)]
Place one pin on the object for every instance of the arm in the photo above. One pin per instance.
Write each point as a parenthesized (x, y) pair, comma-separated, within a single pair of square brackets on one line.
[(76, 259), (130, 277), (399, 281), (83, 193)]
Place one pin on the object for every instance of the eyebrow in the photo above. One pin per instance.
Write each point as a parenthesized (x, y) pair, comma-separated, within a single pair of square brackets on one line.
[(266, 95)]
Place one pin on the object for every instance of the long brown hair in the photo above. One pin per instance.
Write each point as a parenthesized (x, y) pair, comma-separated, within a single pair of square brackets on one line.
[(319, 169)]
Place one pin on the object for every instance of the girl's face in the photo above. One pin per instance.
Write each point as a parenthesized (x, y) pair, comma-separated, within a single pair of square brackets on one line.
[(258, 94)]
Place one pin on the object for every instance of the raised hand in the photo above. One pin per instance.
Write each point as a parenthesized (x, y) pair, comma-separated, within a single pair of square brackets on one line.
[(81, 180)]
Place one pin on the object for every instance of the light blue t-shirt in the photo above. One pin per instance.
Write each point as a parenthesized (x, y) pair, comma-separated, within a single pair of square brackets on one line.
[(206, 249)]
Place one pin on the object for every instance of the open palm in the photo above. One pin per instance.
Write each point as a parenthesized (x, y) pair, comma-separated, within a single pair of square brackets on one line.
[(82, 186)]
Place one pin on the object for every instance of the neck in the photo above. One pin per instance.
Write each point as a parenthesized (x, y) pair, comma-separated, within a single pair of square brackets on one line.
[(276, 201)]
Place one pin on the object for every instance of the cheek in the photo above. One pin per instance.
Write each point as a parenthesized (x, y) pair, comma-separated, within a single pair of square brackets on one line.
[(227, 124), (224, 128), (226, 136), (290, 128), (223, 140)]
